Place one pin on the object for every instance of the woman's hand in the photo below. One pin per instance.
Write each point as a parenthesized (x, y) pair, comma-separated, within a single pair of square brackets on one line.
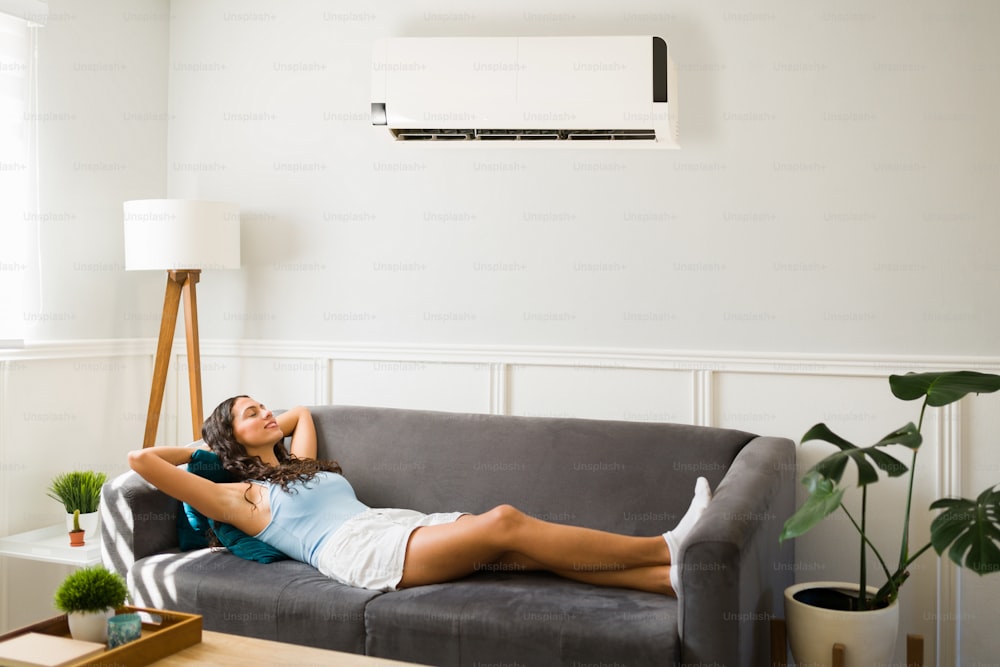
[(298, 423), (172, 455)]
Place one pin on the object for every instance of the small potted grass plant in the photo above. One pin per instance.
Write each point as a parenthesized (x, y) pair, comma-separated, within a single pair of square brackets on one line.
[(79, 490), (89, 597)]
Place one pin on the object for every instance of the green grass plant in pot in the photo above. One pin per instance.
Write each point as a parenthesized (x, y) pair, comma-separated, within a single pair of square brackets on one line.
[(968, 530), (89, 597), (79, 490)]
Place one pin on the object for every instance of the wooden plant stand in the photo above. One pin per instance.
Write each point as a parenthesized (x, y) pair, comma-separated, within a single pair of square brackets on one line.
[(779, 648)]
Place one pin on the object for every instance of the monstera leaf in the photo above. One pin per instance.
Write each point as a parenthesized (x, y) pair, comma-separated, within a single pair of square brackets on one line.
[(823, 480), (969, 531), (824, 499), (942, 388), (832, 467)]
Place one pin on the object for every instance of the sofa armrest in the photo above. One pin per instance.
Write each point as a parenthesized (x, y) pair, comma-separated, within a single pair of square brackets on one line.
[(137, 520), (734, 568)]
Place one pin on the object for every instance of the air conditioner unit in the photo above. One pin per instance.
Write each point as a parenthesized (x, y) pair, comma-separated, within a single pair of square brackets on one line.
[(579, 91)]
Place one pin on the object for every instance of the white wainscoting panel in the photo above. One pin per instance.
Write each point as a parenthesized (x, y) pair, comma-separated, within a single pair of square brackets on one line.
[(973, 609), (408, 383), (61, 417), (602, 392)]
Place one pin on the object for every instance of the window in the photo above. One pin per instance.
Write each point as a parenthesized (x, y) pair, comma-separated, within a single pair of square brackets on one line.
[(19, 21)]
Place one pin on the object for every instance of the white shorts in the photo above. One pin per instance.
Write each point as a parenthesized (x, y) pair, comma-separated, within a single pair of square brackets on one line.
[(369, 549)]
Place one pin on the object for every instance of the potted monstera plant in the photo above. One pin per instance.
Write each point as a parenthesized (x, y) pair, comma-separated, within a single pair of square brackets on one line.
[(821, 613)]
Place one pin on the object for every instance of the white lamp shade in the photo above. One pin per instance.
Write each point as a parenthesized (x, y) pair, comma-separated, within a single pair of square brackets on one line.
[(176, 234)]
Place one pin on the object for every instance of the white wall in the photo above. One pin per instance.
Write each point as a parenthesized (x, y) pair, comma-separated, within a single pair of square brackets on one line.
[(834, 191), (834, 196)]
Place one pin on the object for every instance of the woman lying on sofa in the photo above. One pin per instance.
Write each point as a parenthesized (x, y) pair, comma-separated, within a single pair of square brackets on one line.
[(308, 510)]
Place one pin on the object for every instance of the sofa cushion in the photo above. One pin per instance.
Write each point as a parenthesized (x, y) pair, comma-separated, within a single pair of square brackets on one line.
[(633, 478), (285, 601), (523, 619)]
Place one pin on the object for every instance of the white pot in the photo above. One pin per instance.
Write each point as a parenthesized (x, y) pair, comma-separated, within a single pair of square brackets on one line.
[(869, 637), (89, 522), (90, 626)]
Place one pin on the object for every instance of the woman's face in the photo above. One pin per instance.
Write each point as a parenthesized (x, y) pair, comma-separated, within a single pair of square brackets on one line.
[(253, 425)]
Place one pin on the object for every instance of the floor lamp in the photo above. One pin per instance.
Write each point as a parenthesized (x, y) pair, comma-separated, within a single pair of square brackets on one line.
[(182, 237)]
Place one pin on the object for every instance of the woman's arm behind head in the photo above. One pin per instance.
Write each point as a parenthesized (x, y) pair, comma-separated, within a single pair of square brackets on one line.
[(221, 502), (298, 423)]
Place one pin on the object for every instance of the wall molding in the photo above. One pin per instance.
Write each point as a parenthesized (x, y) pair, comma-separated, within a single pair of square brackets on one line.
[(785, 363), (949, 581)]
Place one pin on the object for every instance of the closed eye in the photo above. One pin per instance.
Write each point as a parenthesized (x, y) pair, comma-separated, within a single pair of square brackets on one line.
[(252, 410)]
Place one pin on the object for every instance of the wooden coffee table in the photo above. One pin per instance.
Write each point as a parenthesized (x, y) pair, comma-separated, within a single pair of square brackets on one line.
[(217, 648)]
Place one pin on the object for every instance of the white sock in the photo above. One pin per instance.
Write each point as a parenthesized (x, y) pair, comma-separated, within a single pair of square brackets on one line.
[(675, 538)]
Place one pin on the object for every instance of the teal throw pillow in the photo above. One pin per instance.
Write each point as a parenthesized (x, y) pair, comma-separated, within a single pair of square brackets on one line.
[(192, 524), (245, 546)]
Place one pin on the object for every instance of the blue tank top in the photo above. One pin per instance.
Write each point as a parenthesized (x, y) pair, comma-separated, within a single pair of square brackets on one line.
[(302, 519)]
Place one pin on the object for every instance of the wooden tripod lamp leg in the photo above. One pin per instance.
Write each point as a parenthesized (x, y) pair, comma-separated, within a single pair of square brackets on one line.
[(193, 351), (171, 302), (178, 282)]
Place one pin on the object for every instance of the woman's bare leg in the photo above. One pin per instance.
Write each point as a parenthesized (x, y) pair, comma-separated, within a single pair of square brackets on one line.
[(474, 543), (506, 537), (655, 579)]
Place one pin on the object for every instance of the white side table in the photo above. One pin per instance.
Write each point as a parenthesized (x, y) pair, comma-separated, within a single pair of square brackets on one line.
[(51, 545)]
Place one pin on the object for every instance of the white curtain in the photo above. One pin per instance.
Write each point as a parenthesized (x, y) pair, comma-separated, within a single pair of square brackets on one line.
[(35, 12), (19, 21)]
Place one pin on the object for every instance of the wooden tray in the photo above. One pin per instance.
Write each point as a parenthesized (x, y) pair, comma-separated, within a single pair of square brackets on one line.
[(163, 633)]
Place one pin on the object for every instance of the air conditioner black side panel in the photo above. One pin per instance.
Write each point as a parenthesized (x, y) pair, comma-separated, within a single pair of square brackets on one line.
[(659, 70)]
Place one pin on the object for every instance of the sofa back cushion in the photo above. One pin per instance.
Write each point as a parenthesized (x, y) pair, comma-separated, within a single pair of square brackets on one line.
[(630, 477)]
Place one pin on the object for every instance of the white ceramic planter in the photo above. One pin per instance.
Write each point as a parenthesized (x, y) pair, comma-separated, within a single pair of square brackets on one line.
[(869, 637), (91, 626), (90, 522)]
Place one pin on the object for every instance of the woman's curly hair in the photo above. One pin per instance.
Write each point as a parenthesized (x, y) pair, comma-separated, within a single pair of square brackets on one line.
[(217, 432)]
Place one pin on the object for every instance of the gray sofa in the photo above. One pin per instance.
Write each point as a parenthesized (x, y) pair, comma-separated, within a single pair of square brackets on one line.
[(630, 477)]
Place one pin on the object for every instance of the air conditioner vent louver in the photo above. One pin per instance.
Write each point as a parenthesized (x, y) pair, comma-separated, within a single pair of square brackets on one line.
[(584, 91), (439, 134)]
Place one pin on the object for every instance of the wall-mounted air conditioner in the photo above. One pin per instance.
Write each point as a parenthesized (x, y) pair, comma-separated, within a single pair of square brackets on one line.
[(607, 90)]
